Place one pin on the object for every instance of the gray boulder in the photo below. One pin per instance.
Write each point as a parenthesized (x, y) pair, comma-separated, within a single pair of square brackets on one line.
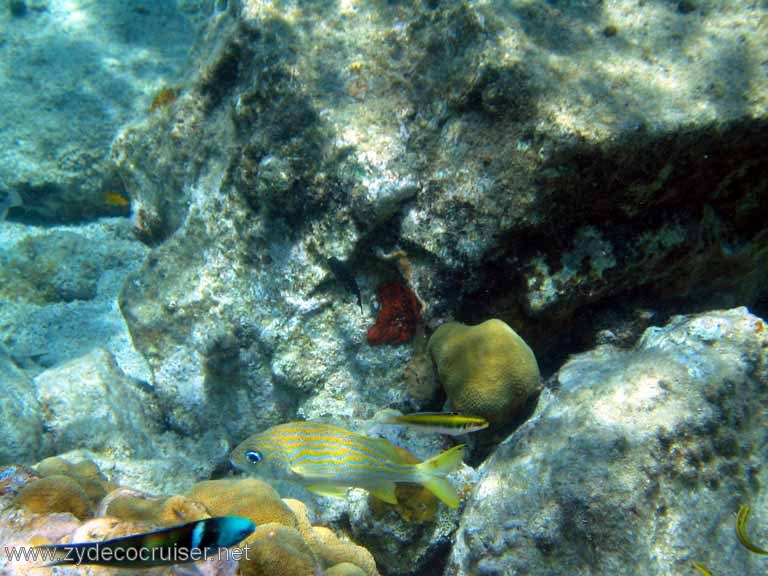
[(58, 292), (636, 463), (89, 403), (21, 424)]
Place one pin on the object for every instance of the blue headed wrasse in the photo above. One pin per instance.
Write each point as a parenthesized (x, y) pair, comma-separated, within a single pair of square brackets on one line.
[(449, 423), (327, 460), (181, 544)]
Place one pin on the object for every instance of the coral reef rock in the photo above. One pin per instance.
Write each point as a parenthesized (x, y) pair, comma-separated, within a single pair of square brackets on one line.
[(58, 288), (21, 424), (635, 464), (57, 509), (90, 404)]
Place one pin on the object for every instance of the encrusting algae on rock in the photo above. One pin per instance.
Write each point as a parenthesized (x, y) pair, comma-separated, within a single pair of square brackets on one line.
[(398, 317), (487, 370)]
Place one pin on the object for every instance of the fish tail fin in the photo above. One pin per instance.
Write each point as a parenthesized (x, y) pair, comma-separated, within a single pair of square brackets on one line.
[(434, 471), (387, 416)]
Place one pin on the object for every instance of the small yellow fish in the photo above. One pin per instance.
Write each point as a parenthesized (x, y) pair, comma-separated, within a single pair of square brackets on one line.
[(701, 569), (115, 199), (448, 423), (327, 460), (741, 531)]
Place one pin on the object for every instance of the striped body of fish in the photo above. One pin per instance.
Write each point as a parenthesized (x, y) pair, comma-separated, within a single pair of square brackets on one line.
[(181, 544), (327, 460)]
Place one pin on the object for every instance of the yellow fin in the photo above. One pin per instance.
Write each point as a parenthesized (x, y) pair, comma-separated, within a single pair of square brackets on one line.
[(384, 491), (434, 470), (329, 490), (701, 569), (741, 531)]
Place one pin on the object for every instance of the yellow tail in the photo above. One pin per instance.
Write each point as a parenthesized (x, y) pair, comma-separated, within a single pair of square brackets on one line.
[(434, 471)]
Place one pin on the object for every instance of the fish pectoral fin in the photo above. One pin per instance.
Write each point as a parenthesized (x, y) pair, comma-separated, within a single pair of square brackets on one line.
[(329, 490), (384, 491)]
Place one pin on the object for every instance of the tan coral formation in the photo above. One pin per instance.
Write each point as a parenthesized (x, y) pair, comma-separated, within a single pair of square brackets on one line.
[(247, 497), (85, 472), (344, 569), (56, 493), (284, 543), (159, 511), (299, 509), (277, 550), (333, 550), (487, 370)]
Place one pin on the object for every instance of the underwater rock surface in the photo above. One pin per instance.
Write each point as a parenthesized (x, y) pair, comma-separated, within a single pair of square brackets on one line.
[(73, 73), (636, 463), (565, 167), (90, 404), (530, 179), (58, 291), (21, 424)]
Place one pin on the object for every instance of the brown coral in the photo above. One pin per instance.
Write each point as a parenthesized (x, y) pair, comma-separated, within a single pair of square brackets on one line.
[(57, 493), (53, 465), (344, 569), (106, 528), (247, 497), (398, 317), (299, 510), (332, 550), (160, 511), (487, 370), (86, 473), (277, 550)]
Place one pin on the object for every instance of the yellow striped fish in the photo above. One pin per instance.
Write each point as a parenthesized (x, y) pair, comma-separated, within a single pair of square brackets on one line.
[(327, 460)]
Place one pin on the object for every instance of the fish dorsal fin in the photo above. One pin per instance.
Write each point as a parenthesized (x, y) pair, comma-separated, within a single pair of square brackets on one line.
[(384, 491), (329, 490)]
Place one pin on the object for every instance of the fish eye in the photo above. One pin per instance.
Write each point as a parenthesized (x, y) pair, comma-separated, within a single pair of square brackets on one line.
[(253, 456)]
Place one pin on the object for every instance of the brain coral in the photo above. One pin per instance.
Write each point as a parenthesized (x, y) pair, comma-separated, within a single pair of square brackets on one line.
[(86, 473), (332, 550), (487, 370), (299, 509), (277, 550), (56, 493), (163, 511), (344, 569), (247, 497)]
